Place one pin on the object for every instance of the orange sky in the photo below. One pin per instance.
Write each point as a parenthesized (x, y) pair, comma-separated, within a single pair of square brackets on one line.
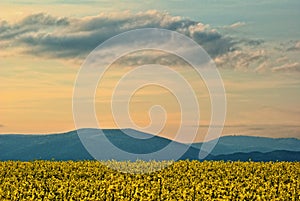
[(36, 91), (36, 97)]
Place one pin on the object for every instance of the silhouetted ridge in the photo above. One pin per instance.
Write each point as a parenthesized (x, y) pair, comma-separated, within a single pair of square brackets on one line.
[(68, 146)]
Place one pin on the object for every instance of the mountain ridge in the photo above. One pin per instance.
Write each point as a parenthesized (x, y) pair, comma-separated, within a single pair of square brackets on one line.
[(68, 146), (232, 144)]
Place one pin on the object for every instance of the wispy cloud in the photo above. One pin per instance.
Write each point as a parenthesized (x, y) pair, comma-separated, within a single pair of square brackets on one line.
[(261, 56), (236, 25), (288, 66)]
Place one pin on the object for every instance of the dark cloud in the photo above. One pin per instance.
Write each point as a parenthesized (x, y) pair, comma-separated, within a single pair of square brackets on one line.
[(1, 125), (45, 35), (74, 38)]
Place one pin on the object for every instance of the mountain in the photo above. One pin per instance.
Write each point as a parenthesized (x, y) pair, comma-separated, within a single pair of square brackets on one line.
[(71, 146), (142, 146), (246, 144), (65, 146), (68, 146)]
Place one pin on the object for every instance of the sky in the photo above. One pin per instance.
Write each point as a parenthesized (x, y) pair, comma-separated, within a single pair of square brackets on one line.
[(254, 44)]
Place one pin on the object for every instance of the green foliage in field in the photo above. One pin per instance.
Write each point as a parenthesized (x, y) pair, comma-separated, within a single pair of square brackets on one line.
[(183, 180)]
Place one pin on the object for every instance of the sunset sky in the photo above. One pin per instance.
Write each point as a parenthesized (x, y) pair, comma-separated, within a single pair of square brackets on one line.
[(255, 46)]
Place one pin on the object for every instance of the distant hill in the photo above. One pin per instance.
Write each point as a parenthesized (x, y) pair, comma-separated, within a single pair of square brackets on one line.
[(246, 144), (65, 146), (68, 146)]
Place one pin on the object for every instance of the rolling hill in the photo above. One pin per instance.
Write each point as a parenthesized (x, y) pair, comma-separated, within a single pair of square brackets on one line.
[(246, 144), (69, 146)]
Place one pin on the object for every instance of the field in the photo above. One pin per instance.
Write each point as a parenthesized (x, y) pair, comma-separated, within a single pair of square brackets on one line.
[(182, 180)]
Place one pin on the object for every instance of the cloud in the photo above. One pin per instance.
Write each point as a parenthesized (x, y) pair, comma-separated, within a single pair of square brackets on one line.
[(242, 59), (288, 66), (49, 36), (31, 24), (237, 24), (74, 38), (1, 125), (295, 46), (261, 56)]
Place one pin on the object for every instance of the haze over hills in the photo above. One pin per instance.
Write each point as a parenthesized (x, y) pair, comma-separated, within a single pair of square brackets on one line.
[(68, 146), (246, 144)]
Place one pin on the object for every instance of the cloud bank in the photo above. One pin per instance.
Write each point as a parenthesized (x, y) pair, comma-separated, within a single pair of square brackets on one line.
[(74, 38), (44, 35)]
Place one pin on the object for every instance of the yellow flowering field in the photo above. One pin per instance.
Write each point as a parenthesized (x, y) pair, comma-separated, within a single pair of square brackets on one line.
[(182, 180)]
